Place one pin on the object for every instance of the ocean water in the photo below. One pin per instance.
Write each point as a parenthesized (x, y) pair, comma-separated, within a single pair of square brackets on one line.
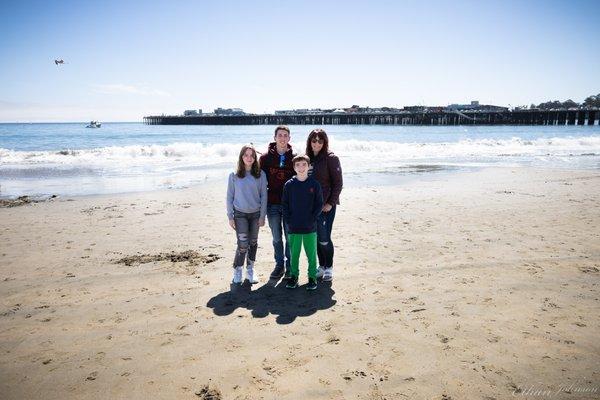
[(69, 159)]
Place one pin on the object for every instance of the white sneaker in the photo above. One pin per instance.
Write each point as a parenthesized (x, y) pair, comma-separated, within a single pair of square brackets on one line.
[(328, 274), (250, 274), (320, 272), (237, 275)]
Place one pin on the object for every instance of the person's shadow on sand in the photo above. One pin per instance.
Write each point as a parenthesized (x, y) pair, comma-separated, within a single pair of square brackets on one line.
[(274, 298)]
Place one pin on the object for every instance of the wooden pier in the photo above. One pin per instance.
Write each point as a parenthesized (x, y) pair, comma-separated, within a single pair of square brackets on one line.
[(526, 117)]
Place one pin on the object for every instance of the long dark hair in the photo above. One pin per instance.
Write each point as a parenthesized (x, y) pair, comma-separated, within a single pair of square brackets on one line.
[(241, 168), (317, 133)]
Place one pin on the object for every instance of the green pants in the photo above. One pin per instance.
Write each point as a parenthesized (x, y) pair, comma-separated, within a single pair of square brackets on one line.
[(295, 241)]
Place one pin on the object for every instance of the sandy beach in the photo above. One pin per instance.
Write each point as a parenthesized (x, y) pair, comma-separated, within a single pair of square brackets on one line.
[(472, 285)]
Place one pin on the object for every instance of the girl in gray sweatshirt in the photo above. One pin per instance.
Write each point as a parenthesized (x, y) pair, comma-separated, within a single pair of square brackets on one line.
[(246, 210)]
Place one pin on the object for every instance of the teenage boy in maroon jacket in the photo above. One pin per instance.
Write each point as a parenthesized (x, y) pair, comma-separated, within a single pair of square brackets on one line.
[(277, 164)]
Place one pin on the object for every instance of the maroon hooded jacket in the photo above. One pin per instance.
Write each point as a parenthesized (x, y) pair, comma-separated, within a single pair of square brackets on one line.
[(277, 174), (328, 172)]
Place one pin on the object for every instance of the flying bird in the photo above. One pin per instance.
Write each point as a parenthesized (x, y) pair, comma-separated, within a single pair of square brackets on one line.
[(61, 61)]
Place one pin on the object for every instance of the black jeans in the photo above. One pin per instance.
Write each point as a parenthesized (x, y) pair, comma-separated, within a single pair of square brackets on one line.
[(246, 229), (324, 243)]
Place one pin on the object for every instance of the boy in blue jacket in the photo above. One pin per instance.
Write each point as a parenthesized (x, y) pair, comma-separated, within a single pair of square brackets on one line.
[(302, 203)]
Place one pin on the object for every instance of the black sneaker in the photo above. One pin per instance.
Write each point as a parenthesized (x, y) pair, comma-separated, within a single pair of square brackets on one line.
[(287, 275), (292, 282), (277, 272), (312, 284)]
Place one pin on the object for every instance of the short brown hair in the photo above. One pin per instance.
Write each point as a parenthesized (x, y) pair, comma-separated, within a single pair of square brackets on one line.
[(282, 128), (300, 157)]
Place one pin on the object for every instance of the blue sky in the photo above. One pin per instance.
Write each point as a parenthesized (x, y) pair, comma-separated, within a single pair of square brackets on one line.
[(127, 59)]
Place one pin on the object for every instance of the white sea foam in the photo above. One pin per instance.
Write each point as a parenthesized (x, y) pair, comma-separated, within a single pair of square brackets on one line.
[(206, 155), (127, 155), (471, 148), (138, 168)]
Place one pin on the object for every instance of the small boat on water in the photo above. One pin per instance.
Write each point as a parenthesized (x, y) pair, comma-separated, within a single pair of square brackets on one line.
[(94, 124)]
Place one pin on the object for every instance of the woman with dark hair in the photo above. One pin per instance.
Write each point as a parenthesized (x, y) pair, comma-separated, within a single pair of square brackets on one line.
[(326, 169), (246, 210)]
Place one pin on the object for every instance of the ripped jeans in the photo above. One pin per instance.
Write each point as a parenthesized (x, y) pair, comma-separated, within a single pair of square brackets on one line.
[(246, 229), (324, 243)]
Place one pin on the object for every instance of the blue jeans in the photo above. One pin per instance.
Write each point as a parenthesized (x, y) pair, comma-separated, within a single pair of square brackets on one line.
[(279, 232), (324, 243)]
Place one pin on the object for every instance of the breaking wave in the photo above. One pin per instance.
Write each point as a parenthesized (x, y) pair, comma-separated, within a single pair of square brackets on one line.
[(207, 155)]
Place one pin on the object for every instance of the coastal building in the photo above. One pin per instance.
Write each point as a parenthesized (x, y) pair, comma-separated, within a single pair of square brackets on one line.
[(354, 109), (299, 111), (415, 108), (229, 111), (475, 106)]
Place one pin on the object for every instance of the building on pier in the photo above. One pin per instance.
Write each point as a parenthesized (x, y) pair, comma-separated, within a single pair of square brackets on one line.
[(229, 111)]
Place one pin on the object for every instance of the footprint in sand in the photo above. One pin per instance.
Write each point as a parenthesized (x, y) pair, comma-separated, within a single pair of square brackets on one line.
[(92, 376), (206, 393), (372, 341), (333, 339), (443, 339)]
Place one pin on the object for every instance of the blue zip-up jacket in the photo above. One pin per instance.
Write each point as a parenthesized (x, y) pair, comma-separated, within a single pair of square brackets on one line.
[(302, 202)]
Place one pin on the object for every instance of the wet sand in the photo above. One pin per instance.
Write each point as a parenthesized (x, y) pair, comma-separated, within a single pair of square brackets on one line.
[(474, 285)]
